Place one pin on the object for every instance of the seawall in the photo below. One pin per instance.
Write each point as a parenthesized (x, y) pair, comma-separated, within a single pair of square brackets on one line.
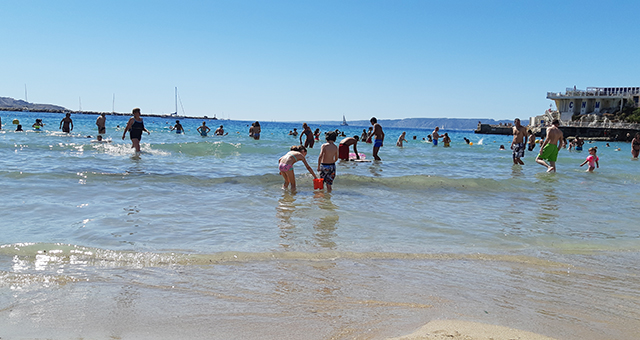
[(585, 132)]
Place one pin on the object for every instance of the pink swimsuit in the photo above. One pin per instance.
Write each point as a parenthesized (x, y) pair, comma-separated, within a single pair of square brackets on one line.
[(592, 160)]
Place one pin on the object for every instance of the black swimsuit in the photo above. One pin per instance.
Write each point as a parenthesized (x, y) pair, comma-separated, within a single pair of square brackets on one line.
[(135, 132)]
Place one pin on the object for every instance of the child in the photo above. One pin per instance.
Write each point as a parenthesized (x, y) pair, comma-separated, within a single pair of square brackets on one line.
[(592, 159), (446, 140), (297, 153), (327, 160), (401, 139)]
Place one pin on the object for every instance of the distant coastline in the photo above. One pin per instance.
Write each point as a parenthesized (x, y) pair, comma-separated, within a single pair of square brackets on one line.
[(12, 105)]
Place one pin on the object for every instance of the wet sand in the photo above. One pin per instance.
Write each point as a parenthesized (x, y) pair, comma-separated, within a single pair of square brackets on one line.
[(465, 330)]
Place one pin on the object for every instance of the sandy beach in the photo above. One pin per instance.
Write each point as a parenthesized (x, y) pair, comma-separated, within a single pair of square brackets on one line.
[(465, 330)]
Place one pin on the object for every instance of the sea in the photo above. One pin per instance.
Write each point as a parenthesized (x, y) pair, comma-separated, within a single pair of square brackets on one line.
[(195, 238)]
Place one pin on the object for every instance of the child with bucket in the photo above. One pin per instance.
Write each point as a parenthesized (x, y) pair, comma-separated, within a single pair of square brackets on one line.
[(297, 153)]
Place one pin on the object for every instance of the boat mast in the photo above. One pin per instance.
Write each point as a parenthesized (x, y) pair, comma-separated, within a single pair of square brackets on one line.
[(25, 93), (176, 101)]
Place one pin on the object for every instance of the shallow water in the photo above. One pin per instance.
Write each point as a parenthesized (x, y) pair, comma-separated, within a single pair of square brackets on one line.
[(201, 224)]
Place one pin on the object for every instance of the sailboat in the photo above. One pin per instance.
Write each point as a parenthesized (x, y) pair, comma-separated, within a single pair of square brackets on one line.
[(344, 121), (176, 113)]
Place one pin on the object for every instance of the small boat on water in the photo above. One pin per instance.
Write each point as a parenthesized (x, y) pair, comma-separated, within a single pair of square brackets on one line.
[(344, 121)]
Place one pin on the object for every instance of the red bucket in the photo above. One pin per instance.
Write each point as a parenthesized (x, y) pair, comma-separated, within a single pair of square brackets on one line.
[(318, 183)]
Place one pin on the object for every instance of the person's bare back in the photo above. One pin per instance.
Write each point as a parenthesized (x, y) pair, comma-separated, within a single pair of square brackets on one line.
[(554, 134)]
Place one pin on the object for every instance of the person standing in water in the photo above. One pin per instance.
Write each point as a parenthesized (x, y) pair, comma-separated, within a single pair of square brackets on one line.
[(592, 159), (203, 130), (401, 139), (178, 127), (327, 160), (100, 122), (379, 137), (550, 147), (66, 122), (635, 146), (220, 131), (519, 141), (256, 130), (435, 135), (306, 131), (135, 126), (285, 165)]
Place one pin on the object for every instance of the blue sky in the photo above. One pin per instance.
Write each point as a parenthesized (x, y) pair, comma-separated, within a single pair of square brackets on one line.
[(316, 60)]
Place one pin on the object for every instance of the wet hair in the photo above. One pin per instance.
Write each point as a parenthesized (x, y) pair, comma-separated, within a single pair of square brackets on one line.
[(298, 148), (177, 121), (356, 138), (331, 136), (373, 120), (256, 124)]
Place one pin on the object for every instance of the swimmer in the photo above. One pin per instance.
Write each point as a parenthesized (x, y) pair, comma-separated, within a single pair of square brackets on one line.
[(401, 139), (38, 124), (220, 131), (100, 140)]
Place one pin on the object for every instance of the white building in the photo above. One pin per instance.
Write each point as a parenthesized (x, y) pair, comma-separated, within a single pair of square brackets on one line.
[(593, 100)]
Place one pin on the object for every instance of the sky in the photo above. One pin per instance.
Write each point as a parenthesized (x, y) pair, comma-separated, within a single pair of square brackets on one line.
[(315, 60)]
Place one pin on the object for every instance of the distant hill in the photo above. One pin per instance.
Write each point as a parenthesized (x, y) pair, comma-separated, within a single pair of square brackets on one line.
[(429, 123), (7, 103)]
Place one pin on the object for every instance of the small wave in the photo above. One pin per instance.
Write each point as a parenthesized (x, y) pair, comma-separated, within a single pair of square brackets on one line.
[(41, 254)]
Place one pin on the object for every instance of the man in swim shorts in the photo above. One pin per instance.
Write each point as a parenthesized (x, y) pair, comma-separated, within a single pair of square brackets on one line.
[(343, 148), (435, 135), (519, 141), (178, 127), (100, 121), (549, 148), (379, 137)]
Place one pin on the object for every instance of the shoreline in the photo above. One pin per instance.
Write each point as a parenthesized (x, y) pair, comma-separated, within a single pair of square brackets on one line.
[(467, 330)]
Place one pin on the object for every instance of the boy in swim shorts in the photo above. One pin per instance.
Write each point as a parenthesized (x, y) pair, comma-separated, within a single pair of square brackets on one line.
[(327, 160), (379, 137)]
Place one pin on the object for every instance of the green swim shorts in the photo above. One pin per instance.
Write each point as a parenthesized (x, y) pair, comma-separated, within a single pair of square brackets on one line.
[(550, 153)]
